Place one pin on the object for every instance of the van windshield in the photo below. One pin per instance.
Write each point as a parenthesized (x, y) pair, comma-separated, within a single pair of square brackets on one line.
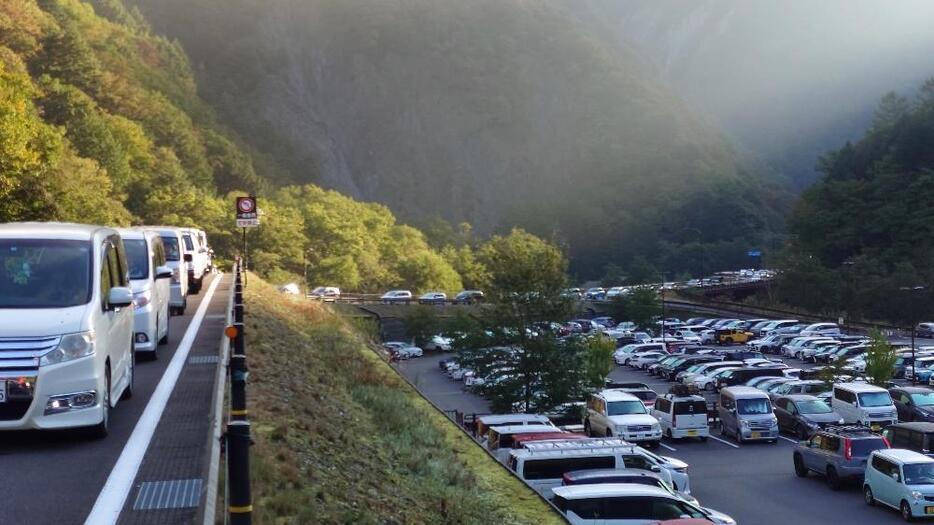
[(171, 248), (137, 256), (624, 408), (874, 399), (42, 273), (751, 407)]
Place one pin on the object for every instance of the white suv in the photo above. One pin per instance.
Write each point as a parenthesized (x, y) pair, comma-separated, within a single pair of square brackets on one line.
[(66, 326), (620, 414), (149, 280)]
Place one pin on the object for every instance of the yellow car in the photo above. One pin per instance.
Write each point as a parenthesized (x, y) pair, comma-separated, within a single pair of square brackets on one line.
[(732, 335)]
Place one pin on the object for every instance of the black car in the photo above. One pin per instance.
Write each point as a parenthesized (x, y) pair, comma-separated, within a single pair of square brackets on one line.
[(741, 375), (914, 403), (671, 370), (802, 415), (913, 436), (626, 384)]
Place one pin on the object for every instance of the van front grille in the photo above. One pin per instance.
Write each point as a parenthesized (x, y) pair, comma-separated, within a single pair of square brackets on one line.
[(23, 353)]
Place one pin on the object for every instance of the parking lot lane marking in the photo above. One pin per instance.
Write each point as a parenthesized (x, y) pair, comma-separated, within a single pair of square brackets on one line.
[(788, 440), (673, 449), (715, 438), (112, 497)]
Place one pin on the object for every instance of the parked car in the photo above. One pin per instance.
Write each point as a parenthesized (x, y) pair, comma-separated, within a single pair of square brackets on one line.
[(149, 280), (606, 322), (172, 243), (800, 386), (728, 336), (915, 436), (326, 294), (746, 414), (433, 298), (625, 503), (595, 294), (682, 416), (864, 404), (802, 415), (439, 343), (66, 334), (396, 296), (821, 329), (839, 453), (195, 253), (620, 414), (646, 395), (901, 479), (709, 380), (925, 330), (469, 297), (913, 403), (741, 376), (642, 360)]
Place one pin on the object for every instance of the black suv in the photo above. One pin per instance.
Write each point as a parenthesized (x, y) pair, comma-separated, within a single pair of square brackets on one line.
[(837, 452), (913, 403), (913, 436)]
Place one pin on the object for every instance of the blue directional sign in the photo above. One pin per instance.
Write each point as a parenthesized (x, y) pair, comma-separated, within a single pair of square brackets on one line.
[(754, 253)]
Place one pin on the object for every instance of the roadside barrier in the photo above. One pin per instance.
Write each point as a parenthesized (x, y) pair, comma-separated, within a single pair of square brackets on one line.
[(237, 437)]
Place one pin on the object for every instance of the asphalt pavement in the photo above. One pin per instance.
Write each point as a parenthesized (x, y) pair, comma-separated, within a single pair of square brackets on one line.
[(56, 477)]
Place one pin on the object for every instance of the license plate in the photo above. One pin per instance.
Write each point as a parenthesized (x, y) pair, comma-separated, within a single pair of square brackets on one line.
[(875, 428), (929, 510), (2, 391), (692, 432), (756, 435)]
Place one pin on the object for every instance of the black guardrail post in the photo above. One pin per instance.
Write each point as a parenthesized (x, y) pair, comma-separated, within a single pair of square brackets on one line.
[(240, 498)]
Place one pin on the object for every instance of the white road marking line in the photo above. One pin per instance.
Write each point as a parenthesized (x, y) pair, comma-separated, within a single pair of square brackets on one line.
[(112, 497), (788, 439), (673, 449), (715, 438)]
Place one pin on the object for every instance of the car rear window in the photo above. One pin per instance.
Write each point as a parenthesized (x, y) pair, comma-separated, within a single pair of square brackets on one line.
[(690, 407), (862, 447)]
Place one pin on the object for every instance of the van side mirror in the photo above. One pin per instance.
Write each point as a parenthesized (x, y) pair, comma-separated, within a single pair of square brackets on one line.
[(187, 257), (163, 272), (655, 468), (119, 297)]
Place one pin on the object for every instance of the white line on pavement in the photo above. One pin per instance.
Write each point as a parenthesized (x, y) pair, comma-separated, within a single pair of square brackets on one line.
[(715, 438), (673, 449), (788, 439), (112, 497)]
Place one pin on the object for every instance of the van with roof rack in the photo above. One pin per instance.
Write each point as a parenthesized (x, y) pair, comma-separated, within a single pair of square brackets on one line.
[(484, 423), (613, 413), (66, 340)]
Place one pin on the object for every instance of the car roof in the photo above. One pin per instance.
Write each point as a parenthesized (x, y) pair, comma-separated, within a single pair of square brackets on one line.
[(523, 429), (610, 472), (800, 397), (859, 387), (494, 419), (51, 230), (744, 391), (913, 389), (920, 426), (617, 395), (904, 456), (610, 489)]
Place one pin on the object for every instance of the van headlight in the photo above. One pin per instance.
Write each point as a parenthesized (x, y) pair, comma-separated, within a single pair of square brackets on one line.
[(72, 346), (744, 424)]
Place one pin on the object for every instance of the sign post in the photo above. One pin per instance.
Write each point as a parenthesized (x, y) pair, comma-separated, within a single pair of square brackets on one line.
[(247, 217)]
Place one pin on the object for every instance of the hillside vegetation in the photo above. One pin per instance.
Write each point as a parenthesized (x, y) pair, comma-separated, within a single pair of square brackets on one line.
[(340, 438), (493, 112), (101, 122), (866, 230)]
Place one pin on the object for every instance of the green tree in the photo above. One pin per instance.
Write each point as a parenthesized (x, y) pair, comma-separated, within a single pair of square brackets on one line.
[(598, 360), (421, 323), (642, 306), (880, 359)]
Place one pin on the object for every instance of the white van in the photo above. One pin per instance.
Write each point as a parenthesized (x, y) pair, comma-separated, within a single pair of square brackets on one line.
[(149, 280), (682, 416), (196, 258), (66, 326), (746, 413), (483, 423), (864, 404), (542, 464), (172, 243)]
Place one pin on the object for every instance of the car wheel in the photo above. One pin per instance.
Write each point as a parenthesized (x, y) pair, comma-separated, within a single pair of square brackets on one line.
[(128, 391), (100, 430), (868, 497), (800, 470), (905, 509), (168, 328), (833, 480)]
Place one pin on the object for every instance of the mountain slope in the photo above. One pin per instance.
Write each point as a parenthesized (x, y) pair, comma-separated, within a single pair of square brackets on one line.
[(492, 112)]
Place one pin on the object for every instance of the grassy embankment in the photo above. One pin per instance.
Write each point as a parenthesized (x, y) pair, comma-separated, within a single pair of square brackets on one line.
[(340, 438)]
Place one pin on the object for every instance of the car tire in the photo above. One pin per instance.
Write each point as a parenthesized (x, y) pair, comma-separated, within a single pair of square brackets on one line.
[(905, 509), (703, 439), (833, 479), (168, 328), (868, 497), (100, 430), (800, 470)]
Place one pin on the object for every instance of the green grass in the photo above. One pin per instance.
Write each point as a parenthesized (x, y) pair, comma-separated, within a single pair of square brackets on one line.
[(340, 438)]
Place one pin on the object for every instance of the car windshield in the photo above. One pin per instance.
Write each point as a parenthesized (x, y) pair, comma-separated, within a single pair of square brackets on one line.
[(137, 256), (624, 408), (919, 473), (923, 400), (44, 273), (751, 407), (874, 399), (171, 248), (815, 406)]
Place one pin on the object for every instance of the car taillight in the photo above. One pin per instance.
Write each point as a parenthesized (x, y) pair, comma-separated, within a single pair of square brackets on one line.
[(886, 441), (566, 480), (847, 448)]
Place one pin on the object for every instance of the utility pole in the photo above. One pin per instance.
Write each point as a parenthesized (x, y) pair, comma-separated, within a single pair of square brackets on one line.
[(912, 290)]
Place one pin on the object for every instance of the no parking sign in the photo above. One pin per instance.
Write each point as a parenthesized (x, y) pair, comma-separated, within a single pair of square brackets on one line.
[(247, 216)]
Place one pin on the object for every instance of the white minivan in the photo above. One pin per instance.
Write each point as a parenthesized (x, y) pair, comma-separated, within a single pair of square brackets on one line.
[(149, 280), (172, 243), (196, 256), (864, 404), (66, 326)]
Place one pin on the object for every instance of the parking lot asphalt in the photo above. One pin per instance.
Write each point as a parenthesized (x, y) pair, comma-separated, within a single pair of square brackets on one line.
[(755, 483)]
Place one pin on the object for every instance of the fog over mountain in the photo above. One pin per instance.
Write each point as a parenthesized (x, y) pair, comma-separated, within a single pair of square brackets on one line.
[(786, 80)]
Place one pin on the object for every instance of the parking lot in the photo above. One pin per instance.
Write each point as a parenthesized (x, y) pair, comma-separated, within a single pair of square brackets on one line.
[(755, 483)]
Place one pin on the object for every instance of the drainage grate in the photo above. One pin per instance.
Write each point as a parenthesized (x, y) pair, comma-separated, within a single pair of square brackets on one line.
[(174, 494), (203, 359)]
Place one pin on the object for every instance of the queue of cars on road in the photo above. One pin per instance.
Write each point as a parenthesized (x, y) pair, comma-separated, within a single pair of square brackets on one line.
[(77, 303)]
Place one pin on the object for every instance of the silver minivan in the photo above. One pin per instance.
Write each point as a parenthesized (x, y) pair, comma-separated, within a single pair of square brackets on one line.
[(66, 326), (746, 414)]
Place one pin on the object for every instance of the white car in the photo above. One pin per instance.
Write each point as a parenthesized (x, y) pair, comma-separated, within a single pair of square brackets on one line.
[(66, 336), (409, 351), (613, 413), (172, 243), (439, 343), (433, 298), (149, 280), (831, 329), (642, 360), (325, 294), (196, 254), (396, 296), (709, 381), (606, 503)]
